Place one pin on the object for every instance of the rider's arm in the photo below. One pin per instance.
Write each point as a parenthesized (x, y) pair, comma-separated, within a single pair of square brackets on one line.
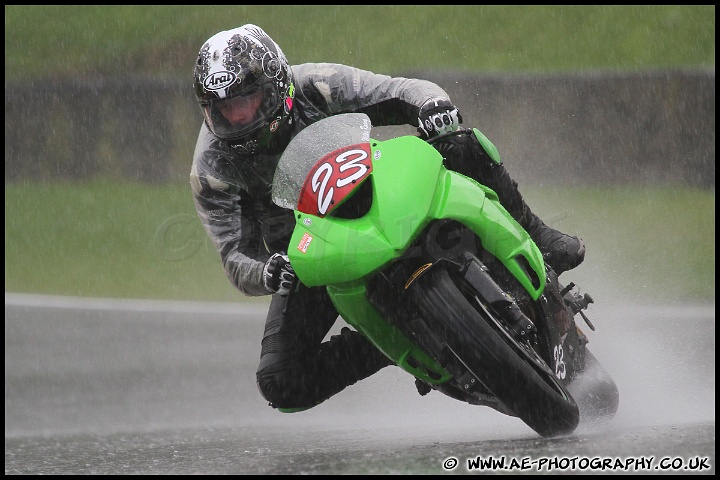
[(333, 88), (226, 213)]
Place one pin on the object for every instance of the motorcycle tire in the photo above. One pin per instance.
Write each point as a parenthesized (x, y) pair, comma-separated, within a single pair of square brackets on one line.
[(530, 392), (595, 392)]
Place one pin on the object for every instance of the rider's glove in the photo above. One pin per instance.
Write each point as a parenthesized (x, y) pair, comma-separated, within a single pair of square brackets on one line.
[(278, 274), (438, 116)]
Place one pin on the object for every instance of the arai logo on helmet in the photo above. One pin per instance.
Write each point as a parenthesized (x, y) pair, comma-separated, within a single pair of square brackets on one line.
[(219, 80)]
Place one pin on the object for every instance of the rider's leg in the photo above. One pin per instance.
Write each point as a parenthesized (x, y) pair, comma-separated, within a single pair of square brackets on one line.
[(465, 154), (297, 369)]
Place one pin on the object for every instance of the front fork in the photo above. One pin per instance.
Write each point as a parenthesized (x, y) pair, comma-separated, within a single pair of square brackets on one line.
[(476, 274)]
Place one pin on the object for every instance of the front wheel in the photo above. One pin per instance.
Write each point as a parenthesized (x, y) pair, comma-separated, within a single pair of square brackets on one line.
[(525, 386)]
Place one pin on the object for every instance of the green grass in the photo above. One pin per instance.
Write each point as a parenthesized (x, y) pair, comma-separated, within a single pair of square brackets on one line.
[(643, 243), (104, 239), (72, 40)]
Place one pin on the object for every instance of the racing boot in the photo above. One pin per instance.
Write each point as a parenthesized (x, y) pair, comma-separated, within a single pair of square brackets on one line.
[(561, 251), (473, 155)]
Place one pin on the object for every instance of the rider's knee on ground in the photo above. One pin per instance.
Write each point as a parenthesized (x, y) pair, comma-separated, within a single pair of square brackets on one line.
[(284, 388)]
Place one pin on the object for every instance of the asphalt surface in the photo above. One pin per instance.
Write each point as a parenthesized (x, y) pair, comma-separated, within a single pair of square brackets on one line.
[(144, 387)]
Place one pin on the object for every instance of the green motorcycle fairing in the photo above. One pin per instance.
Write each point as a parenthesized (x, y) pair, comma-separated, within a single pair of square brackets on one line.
[(411, 188)]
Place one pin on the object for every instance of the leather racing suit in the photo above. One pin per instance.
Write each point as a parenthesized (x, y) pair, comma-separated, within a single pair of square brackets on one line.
[(232, 196)]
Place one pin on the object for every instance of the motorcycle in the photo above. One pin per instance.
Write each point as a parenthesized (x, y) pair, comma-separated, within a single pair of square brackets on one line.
[(431, 268)]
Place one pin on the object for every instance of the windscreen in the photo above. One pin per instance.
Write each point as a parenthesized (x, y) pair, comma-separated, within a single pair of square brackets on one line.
[(310, 147)]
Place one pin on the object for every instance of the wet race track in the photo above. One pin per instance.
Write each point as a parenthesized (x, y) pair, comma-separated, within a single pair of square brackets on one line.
[(141, 387)]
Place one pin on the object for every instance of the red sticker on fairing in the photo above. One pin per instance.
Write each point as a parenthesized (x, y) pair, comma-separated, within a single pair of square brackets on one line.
[(305, 242), (333, 178)]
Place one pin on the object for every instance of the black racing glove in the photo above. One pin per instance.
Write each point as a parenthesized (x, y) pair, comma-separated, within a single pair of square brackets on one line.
[(278, 274), (438, 116)]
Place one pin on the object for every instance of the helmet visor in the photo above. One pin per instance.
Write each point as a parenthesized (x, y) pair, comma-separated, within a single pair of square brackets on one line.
[(242, 115)]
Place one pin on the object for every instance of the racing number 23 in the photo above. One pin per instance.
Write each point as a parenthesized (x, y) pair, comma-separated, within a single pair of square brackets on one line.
[(559, 362), (333, 178)]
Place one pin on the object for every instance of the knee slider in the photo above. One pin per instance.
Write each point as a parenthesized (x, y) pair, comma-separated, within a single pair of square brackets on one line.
[(281, 390), (268, 388)]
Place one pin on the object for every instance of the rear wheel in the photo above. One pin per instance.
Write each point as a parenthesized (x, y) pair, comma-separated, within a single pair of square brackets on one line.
[(509, 369)]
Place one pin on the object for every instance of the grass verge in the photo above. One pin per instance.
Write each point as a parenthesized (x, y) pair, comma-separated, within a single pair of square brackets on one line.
[(125, 240)]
